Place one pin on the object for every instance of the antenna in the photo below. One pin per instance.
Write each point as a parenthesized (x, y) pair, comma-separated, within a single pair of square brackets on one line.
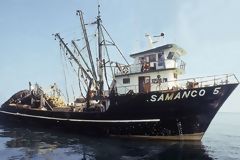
[(150, 40), (98, 8)]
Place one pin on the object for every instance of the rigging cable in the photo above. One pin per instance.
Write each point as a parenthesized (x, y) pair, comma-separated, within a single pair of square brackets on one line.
[(72, 82), (79, 83), (104, 43), (67, 74), (73, 93), (65, 79), (105, 73), (115, 44), (79, 80), (104, 63), (78, 53)]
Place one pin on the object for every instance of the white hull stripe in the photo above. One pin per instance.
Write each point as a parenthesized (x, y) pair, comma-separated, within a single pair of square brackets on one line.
[(81, 120)]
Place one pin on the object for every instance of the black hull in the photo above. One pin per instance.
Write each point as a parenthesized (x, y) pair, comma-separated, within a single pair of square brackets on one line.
[(172, 115)]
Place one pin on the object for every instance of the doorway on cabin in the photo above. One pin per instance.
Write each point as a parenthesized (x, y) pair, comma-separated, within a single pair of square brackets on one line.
[(144, 84)]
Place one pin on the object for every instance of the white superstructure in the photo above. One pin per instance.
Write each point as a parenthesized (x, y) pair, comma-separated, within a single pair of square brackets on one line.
[(153, 70)]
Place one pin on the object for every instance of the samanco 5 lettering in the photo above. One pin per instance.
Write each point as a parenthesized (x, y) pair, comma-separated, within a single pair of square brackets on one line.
[(177, 95)]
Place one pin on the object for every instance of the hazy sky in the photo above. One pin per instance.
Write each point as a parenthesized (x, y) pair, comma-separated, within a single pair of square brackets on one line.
[(207, 30)]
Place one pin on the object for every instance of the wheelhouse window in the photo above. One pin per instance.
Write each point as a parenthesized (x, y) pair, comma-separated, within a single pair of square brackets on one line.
[(170, 55), (152, 58), (160, 59), (146, 58), (126, 80), (141, 60)]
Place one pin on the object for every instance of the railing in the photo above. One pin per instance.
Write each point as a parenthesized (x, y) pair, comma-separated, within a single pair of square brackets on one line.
[(208, 80), (197, 82), (153, 66), (134, 68), (181, 65)]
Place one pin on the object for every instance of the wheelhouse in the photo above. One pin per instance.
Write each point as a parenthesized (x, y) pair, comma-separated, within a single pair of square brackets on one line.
[(153, 70)]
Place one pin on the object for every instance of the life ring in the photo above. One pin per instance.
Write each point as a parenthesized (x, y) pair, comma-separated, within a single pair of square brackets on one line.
[(125, 70)]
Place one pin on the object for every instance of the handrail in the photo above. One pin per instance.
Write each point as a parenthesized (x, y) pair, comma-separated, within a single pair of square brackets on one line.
[(236, 78), (201, 81), (136, 68)]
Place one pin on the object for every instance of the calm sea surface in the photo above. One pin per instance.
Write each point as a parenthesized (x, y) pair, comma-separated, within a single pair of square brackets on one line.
[(222, 141)]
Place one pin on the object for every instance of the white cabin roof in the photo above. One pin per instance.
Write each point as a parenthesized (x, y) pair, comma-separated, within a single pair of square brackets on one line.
[(180, 51)]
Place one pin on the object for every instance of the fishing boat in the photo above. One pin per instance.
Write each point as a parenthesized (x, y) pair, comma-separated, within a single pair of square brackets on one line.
[(145, 99)]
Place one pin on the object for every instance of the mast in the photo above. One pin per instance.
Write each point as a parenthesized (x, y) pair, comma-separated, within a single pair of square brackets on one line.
[(100, 61), (79, 12)]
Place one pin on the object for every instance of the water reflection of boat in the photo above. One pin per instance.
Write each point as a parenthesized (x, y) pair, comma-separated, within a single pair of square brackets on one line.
[(36, 143), (144, 100)]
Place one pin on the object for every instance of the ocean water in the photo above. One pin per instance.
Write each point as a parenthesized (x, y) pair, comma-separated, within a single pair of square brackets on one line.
[(221, 141)]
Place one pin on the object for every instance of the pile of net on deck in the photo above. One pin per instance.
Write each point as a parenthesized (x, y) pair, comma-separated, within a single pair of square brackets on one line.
[(55, 101)]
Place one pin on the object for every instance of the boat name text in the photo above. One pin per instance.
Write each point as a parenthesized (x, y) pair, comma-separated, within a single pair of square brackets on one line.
[(182, 95)]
